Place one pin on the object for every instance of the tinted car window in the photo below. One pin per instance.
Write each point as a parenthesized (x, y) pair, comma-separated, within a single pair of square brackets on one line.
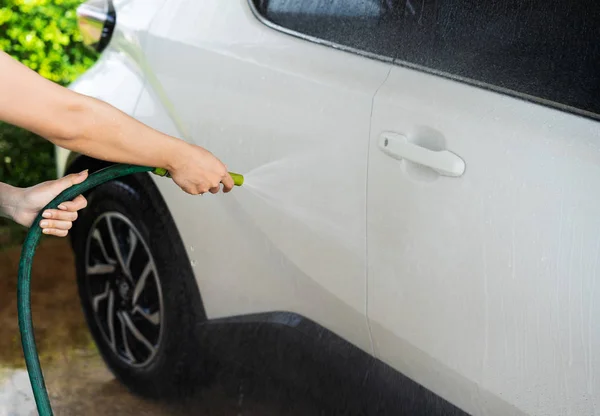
[(358, 24), (545, 49)]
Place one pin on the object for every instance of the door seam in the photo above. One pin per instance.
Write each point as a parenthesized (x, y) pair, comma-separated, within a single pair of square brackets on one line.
[(367, 211)]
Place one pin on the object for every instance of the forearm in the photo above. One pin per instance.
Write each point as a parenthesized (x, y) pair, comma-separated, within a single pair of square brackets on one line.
[(80, 123), (8, 200), (94, 128), (101, 131)]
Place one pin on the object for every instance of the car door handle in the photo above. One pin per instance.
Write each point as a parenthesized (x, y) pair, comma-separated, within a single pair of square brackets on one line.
[(443, 162)]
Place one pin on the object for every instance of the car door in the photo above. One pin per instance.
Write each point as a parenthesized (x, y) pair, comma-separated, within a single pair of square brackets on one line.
[(247, 81), (483, 223)]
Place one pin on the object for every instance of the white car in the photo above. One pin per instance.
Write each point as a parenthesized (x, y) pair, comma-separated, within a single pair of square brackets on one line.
[(422, 181)]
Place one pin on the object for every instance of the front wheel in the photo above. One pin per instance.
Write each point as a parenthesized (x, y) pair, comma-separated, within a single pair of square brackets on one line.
[(137, 290)]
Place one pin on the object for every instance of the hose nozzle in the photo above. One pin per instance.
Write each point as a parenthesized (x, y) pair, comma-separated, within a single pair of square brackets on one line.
[(238, 180)]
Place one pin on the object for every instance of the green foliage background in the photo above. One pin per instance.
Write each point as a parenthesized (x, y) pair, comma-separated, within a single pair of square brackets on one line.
[(42, 34)]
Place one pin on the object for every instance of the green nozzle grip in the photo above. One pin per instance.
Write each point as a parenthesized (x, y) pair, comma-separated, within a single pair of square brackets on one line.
[(161, 172), (238, 180)]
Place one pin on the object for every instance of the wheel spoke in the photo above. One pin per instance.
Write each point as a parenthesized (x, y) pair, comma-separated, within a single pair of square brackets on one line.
[(128, 313), (110, 317), (153, 318), (98, 237), (101, 269), (141, 283), (116, 248), (99, 298), (136, 333), (128, 352), (133, 240)]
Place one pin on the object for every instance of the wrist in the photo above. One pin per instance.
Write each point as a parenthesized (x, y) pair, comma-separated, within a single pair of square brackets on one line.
[(178, 155), (9, 200)]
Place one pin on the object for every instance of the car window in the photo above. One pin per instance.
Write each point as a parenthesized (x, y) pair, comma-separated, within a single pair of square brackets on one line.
[(544, 50), (359, 24)]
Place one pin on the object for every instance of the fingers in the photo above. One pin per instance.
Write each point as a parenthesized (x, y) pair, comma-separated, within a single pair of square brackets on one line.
[(211, 184), (55, 232), (56, 225), (227, 182), (204, 181), (59, 215), (75, 205), (58, 222)]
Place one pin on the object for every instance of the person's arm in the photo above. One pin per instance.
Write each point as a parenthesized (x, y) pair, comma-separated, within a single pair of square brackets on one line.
[(23, 204), (97, 129)]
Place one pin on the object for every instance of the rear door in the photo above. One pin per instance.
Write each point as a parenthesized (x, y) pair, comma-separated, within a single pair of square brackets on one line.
[(483, 276), (250, 82)]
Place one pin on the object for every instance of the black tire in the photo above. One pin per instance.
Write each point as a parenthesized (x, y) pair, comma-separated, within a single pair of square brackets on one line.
[(178, 364)]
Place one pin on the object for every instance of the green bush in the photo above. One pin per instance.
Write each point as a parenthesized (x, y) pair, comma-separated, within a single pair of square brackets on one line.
[(25, 159), (42, 34)]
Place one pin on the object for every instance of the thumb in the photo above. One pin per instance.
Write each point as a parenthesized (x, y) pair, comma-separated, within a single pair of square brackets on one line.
[(66, 182)]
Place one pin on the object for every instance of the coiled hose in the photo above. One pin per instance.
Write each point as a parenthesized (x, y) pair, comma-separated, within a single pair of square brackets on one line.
[(24, 280)]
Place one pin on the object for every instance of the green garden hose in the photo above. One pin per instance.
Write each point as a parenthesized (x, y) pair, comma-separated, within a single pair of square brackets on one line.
[(24, 281)]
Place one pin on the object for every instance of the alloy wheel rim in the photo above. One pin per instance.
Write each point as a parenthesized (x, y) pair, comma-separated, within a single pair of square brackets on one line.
[(123, 288)]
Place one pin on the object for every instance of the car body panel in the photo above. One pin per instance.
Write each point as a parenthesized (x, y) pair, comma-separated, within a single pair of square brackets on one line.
[(483, 287), (308, 173)]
